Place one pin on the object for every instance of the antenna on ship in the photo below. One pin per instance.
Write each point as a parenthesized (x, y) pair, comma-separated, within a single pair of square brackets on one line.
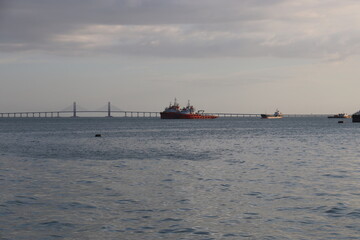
[(188, 103)]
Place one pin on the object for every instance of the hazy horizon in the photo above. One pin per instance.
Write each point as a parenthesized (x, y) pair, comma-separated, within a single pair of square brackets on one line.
[(250, 56)]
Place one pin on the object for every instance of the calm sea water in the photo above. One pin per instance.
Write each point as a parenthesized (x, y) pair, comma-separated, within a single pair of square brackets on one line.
[(238, 178)]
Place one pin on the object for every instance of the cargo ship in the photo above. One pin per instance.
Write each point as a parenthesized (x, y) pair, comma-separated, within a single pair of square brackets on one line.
[(175, 112), (356, 117), (277, 114), (340, 115)]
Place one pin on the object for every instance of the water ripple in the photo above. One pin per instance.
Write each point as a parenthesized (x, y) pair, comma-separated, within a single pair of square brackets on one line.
[(148, 179)]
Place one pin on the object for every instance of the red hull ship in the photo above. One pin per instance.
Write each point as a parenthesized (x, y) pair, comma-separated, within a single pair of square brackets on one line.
[(175, 112)]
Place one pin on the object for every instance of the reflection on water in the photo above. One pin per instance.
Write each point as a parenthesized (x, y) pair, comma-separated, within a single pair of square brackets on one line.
[(240, 178)]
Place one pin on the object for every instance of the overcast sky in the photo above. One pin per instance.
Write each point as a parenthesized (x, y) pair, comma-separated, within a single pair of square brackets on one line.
[(248, 56)]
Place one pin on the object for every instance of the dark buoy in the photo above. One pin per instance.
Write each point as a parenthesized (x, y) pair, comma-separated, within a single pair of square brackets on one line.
[(340, 121), (97, 135)]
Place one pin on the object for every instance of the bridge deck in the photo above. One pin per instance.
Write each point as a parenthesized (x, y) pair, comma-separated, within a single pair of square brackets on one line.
[(131, 114)]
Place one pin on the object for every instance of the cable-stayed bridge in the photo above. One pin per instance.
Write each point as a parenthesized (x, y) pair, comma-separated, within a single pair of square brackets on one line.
[(76, 110), (110, 110)]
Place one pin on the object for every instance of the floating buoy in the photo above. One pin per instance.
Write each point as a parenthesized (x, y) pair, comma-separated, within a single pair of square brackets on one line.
[(97, 135), (340, 121)]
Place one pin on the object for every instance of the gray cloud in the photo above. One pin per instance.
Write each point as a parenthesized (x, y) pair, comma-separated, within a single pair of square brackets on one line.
[(174, 28)]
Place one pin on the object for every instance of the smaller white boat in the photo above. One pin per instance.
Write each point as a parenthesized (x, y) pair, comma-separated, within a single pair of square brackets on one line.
[(340, 115), (277, 114)]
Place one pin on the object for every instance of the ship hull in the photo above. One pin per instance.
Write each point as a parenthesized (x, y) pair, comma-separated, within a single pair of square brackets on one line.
[(265, 116), (339, 117), (174, 115), (355, 118)]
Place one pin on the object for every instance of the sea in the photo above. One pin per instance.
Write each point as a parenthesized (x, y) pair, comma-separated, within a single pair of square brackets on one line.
[(151, 179)]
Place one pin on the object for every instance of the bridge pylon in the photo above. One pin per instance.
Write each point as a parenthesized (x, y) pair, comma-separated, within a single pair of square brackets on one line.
[(109, 109), (74, 109)]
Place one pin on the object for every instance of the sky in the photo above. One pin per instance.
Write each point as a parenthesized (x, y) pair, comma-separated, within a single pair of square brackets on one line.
[(229, 56)]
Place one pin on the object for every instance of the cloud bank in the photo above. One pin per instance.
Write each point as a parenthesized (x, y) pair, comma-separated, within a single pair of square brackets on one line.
[(327, 29)]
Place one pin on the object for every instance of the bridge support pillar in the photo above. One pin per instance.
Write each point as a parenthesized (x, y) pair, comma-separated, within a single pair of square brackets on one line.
[(74, 109), (109, 109)]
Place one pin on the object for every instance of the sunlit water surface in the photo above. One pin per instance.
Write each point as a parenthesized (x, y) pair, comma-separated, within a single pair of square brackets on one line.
[(146, 178)]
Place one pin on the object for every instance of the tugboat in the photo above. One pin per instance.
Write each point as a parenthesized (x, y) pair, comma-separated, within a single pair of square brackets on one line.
[(175, 112), (340, 115), (356, 117), (277, 114)]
